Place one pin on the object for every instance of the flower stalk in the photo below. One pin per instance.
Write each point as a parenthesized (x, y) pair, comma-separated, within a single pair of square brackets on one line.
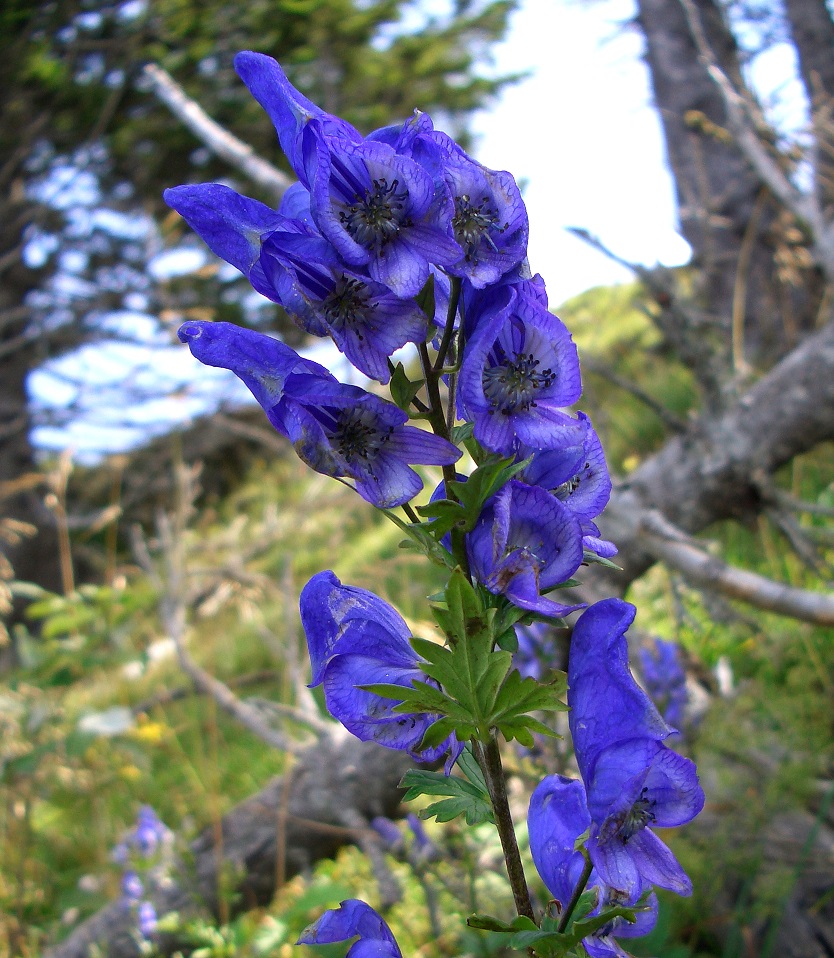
[(489, 759)]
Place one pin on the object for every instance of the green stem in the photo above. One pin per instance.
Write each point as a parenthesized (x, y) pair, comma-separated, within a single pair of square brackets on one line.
[(489, 759), (577, 892), (412, 515), (437, 419), (449, 331)]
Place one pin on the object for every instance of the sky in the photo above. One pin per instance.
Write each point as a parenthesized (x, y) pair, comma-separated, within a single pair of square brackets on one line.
[(580, 136), (583, 135)]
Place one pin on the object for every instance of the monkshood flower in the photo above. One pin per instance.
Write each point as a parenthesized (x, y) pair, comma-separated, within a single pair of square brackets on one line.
[(490, 218), (381, 211), (632, 779), (233, 226), (355, 638), (146, 919), (558, 815), (346, 432), (143, 840), (575, 473), (338, 430), (351, 919), (519, 370), (289, 110), (132, 887), (665, 679), (261, 362), (525, 543), (365, 319)]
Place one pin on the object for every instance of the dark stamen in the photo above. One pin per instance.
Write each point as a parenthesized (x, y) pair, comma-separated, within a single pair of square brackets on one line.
[(511, 385), (373, 220)]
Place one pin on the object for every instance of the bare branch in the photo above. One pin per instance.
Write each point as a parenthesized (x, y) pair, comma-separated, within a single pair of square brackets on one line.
[(669, 419), (675, 548), (743, 127), (224, 144)]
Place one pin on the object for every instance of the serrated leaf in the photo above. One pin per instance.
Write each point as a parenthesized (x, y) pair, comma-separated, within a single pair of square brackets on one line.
[(464, 798), (468, 764), (440, 730)]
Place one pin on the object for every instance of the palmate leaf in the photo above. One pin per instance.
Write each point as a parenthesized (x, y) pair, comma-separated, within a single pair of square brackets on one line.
[(518, 697), (464, 798)]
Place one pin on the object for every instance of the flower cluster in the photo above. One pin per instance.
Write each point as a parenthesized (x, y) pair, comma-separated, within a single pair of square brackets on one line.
[(400, 239), (142, 853)]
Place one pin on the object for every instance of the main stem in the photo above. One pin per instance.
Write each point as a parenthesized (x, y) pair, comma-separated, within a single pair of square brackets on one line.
[(489, 759)]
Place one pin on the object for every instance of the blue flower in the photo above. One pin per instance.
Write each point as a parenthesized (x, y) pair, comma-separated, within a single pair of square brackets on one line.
[(146, 918), (381, 211), (525, 543), (365, 319), (632, 779), (355, 638), (490, 219), (576, 472), (519, 370), (132, 887), (344, 431), (289, 110), (233, 226), (665, 679), (557, 817), (338, 430), (351, 919)]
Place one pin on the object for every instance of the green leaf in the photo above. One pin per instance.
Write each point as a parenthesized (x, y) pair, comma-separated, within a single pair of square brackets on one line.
[(425, 299), (461, 433), (403, 389), (468, 764), (421, 540), (464, 798), (488, 923), (591, 558)]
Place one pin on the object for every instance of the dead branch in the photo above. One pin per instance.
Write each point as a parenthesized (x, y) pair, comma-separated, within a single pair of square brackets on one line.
[(674, 548), (224, 144)]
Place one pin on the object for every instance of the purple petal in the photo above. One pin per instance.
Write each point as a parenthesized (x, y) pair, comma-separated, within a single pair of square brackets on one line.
[(338, 619), (657, 864), (598, 672), (558, 815), (352, 918)]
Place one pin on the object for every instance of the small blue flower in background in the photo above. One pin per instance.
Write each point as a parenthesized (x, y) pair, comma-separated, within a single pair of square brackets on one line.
[(351, 919), (132, 887), (665, 679), (146, 916), (355, 638), (144, 853), (558, 815), (632, 779)]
